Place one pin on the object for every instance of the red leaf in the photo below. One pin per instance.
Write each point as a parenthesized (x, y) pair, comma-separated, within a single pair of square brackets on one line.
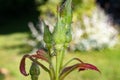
[(81, 66), (85, 66), (40, 54), (22, 65), (69, 68), (39, 57)]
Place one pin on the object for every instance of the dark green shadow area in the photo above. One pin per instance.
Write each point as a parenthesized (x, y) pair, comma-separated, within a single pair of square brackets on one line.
[(15, 15), (13, 24)]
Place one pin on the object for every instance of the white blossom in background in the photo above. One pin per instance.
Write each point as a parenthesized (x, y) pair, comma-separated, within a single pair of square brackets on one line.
[(99, 30)]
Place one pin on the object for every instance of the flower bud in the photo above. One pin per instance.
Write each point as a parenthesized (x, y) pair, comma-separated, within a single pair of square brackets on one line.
[(68, 35), (66, 12), (59, 33), (62, 31), (47, 36), (34, 71)]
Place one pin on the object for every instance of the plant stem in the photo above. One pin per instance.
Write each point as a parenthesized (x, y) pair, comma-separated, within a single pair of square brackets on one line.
[(34, 77), (59, 61), (51, 67)]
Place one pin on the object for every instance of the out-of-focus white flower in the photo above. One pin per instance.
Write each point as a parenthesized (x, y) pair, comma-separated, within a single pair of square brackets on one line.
[(99, 30)]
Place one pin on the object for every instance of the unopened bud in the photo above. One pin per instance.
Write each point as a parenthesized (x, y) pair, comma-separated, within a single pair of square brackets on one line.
[(59, 33), (68, 36), (62, 31), (47, 36), (34, 71)]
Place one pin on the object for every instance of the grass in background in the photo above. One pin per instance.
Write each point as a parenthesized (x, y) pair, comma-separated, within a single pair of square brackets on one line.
[(13, 45)]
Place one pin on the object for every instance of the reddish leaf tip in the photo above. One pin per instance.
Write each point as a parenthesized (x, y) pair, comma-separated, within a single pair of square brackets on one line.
[(22, 65), (85, 66), (40, 54)]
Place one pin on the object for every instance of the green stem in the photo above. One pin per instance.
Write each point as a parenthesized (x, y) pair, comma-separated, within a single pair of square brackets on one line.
[(51, 67), (35, 77), (59, 62)]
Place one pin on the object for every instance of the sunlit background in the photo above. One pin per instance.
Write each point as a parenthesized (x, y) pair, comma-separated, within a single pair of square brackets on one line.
[(95, 32)]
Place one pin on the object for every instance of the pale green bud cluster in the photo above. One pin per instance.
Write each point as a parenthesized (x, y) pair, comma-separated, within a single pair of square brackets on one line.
[(61, 35)]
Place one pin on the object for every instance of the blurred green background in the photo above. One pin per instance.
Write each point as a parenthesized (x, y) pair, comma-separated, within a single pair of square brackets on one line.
[(14, 34)]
